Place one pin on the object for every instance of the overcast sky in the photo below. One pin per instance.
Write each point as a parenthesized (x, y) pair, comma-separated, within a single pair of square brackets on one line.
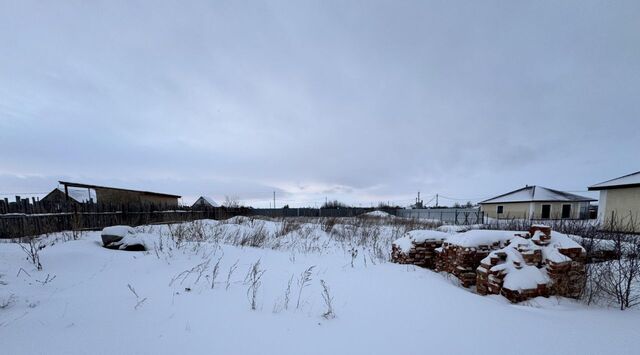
[(361, 101)]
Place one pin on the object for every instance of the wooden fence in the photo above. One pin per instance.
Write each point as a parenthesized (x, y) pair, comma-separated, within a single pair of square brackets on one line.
[(38, 219), (23, 218)]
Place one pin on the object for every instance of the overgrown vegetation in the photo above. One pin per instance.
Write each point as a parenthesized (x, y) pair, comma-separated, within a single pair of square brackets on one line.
[(32, 249), (252, 280), (328, 301)]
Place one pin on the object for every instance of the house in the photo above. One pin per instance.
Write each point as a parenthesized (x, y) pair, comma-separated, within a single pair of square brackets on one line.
[(57, 197), (204, 201), (118, 196), (537, 202), (619, 206)]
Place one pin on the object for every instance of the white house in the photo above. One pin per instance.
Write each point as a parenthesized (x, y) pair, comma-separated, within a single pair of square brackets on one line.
[(619, 206), (536, 202)]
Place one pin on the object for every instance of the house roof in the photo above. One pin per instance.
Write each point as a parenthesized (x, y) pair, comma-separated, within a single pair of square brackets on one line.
[(537, 194), (86, 186), (207, 199), (631, 180), (80, 196)]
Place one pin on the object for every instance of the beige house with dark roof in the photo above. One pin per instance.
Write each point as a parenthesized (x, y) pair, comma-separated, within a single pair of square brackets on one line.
[(619, 206), (536, 202)]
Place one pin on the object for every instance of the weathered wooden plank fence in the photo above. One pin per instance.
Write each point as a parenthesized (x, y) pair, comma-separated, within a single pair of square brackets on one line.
[(21, 225), (24, 218)]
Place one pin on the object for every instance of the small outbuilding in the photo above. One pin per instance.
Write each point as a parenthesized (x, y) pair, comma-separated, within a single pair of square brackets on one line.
[(619, 206), (537, 202), (117, 196), (204, 201)]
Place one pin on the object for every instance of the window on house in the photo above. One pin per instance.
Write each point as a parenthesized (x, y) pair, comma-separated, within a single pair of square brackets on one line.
[(500, 209), (546, 212), (566, 211)]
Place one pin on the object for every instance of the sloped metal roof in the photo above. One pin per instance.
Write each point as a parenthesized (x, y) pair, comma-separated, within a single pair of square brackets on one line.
[(631, 180), (537, 194)]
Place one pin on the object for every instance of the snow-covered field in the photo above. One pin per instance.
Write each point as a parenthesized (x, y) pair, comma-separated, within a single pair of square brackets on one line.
[(83, 301)]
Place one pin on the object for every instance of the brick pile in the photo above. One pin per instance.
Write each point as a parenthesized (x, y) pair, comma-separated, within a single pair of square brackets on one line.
[(463, 261), (517, 265), (561, 270), (461, 254), (490, 280), (568, 277), (422, 254)]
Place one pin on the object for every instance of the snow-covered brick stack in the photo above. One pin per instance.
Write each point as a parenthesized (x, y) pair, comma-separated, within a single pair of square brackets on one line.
[(418, 247), (538, 263), (461, 253)]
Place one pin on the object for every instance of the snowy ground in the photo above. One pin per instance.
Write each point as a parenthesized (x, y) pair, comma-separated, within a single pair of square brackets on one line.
[(380, 307)]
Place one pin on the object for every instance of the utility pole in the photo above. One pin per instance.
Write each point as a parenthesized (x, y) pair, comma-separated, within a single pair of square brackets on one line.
[(436, 200), (274, 199)]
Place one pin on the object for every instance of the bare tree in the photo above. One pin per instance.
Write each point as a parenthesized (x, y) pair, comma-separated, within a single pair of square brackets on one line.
[(231, 202), (618, 280)]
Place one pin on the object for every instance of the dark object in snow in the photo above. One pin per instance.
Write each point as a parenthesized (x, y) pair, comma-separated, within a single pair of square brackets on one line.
[(115, 234), (121, 238), (127, 247)]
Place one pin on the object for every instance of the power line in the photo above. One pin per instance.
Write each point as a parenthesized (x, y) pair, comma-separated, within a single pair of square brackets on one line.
[(463, 199), (23, 193)]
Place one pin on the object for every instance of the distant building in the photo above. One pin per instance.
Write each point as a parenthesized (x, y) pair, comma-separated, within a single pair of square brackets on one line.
[(619, 206), (537, 202), (204, 201), (58, 196), (109, 195)]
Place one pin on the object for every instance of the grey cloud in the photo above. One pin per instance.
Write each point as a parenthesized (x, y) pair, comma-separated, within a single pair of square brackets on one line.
[(361, 101)]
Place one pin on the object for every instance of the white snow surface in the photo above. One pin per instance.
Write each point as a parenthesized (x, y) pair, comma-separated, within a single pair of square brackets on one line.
[(145, 239), (478, 237), (526, 278), (451, 229), (418, 236), (119, 231), (378, 214), (89, 308)]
